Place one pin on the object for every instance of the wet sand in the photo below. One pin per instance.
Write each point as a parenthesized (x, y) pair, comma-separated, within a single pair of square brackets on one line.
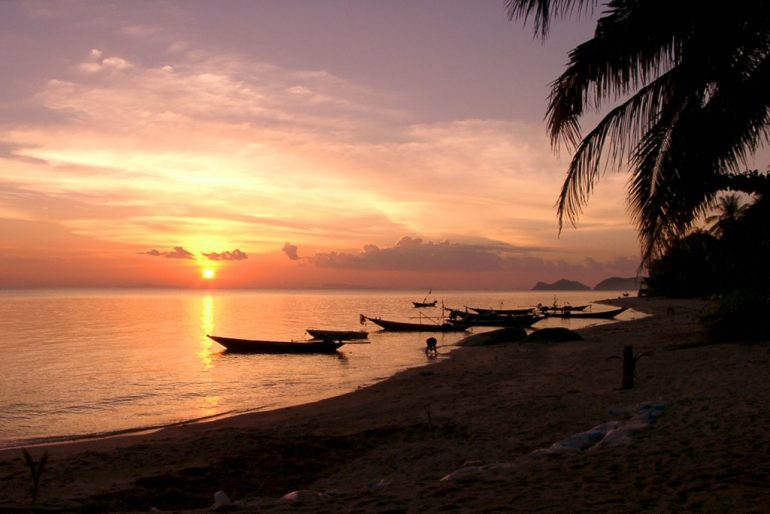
[(386, 448)]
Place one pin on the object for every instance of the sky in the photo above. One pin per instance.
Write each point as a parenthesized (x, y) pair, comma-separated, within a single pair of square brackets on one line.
[(289, 144)]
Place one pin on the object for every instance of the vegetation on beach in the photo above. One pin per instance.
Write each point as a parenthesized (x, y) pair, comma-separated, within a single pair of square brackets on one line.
[(36, 470), (690, 111)]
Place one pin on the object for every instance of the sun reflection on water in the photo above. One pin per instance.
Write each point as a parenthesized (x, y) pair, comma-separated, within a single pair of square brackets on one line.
[(207, 327)]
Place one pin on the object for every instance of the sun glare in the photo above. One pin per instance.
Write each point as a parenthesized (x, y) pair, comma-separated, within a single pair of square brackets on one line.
[(208, 274)]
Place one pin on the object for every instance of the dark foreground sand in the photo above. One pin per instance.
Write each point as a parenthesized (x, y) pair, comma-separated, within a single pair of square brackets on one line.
[(385, 448)]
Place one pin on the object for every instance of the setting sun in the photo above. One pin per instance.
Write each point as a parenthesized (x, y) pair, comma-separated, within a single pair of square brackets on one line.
[(208, 274)]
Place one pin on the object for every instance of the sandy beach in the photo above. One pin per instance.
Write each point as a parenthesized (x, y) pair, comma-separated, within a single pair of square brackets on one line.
[(484, 410)]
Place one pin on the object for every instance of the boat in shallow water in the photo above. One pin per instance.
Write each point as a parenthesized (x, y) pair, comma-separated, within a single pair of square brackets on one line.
[(608, 314), (403, 326), (500, 320), (337, 335), (257, 346)]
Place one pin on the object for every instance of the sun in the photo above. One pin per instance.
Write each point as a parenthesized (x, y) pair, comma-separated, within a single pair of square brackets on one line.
[(208, 274)]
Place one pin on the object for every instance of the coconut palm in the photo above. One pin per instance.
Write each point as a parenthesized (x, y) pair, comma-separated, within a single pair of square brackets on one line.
[(731, 209), (689, 84)]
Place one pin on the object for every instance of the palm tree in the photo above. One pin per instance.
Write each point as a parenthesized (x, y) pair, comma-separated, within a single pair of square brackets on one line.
[(690, 86), (731, 209)]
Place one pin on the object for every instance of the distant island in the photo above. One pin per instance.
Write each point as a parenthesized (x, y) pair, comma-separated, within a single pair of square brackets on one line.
[(619, 284), (561, 285), (608, 284)]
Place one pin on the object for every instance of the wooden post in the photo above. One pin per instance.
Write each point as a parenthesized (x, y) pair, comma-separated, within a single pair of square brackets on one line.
[(629, 365)]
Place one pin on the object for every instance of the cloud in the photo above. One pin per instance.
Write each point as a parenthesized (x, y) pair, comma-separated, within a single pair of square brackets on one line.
[(235, 255), (416, 255), (177, 253), (412, 254), (291, 251), (97, 63)]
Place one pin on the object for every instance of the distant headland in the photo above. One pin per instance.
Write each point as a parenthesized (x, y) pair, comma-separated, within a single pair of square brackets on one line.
[(608, 284)]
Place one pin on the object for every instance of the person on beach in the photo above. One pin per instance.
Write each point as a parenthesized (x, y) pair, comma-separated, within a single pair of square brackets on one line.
[(430, 346)]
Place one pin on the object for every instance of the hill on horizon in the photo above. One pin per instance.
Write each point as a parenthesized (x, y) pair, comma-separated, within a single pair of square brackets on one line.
[(561, 285), (619, 284)]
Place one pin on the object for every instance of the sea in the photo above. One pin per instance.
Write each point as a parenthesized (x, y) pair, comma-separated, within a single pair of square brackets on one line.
[(80, 364)]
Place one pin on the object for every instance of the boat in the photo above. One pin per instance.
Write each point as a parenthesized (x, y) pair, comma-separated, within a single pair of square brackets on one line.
[(256, 346), (337, 335), (503, 312), (425, 302), (457, 313), (608, 314), (403, 326), (497, 320), (561, 308)]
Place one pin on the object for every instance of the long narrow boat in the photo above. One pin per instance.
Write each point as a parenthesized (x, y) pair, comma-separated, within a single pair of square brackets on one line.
[(402, 326), (337, 335), (562, 308), (506, 321), (418, 305), (256, 346), (608, 314), (502, 312)]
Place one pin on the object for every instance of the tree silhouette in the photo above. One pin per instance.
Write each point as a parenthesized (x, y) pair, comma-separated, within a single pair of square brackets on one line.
[(731, 209), (689, 87)]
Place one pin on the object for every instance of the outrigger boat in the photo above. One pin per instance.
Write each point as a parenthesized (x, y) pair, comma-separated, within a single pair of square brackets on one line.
[(402, 326), (337, 335), (608, 314), (256, 346), (497, 320), (561, 308), (503, 312)]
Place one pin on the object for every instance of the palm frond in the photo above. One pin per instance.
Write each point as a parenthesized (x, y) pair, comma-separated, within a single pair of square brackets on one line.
[(544, 10), (619, 131)]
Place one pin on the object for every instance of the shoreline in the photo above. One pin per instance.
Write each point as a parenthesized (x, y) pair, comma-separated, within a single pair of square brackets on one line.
[(386, 446), (76, 439)]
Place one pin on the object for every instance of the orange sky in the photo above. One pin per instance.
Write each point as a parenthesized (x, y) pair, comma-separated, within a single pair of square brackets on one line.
[(288, 144)]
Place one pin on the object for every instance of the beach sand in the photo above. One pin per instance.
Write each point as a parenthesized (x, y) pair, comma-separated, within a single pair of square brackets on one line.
[(386, 448)]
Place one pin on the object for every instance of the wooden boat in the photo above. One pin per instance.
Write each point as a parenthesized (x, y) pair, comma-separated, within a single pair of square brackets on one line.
[(562, 308), (608, 314), (402, 326), (505, 321), (503, 312), (425, 302), (337, 335), (458, 313), (255, 346)]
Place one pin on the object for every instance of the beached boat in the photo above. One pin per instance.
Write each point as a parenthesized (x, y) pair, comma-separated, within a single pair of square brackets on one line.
[(402, 326), (608, 314), (256, 346), (337, 335)]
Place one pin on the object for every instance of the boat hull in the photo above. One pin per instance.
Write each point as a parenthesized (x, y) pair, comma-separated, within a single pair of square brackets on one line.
[(512, 321), (337, 335), (401, 326), (256, 346), (502, 312), (610, 314)]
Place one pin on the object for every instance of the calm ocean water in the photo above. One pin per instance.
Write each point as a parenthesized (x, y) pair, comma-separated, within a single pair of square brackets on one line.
[(79, 363)]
